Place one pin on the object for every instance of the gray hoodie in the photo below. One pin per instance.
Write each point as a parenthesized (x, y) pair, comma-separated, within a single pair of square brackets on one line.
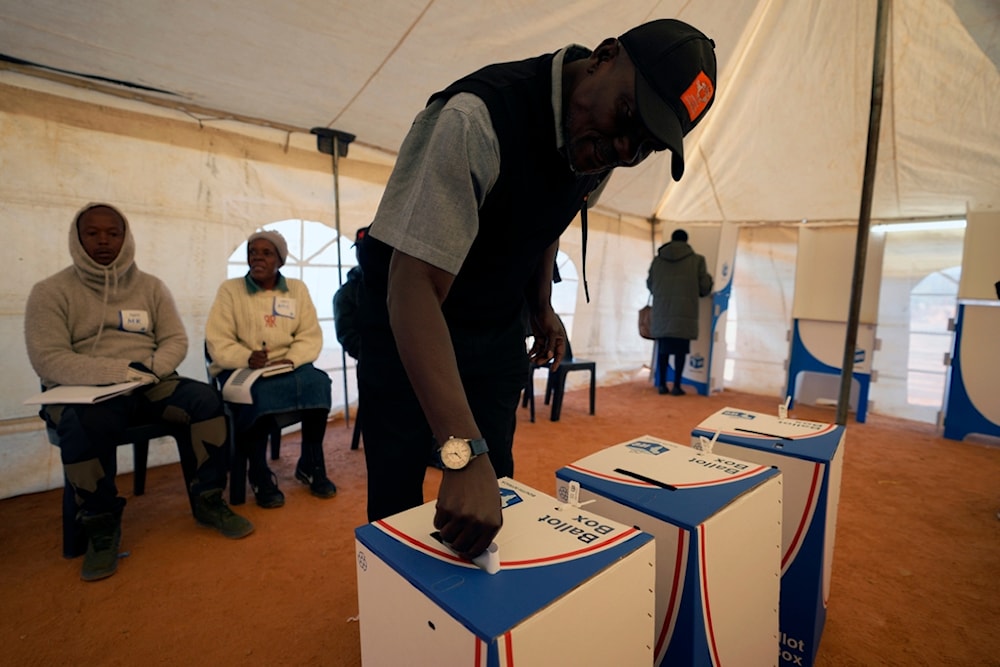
[(85, 324)]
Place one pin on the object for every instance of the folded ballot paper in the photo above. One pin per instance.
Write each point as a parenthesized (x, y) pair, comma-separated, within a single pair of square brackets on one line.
[(237, 387)]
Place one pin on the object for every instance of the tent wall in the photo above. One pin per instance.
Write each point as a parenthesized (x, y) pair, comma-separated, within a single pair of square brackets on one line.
[(606, 329)]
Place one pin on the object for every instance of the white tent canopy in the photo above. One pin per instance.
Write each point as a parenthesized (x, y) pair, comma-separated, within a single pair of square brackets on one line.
[(785, 141)]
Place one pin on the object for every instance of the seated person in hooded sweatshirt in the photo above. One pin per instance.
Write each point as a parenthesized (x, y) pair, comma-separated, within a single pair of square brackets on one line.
[(103, 321), (265, 319)]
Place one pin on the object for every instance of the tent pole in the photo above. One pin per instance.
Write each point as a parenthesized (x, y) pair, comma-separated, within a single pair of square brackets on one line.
[(864, 218), (335, 144), (335, 157)]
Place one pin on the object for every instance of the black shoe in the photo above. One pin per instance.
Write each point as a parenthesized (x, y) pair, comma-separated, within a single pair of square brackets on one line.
[(104, 535), (266, 491), (212, 511), (677, 391), (317, 481), (662, 389)]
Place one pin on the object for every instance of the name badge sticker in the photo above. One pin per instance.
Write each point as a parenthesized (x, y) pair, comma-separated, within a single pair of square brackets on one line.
[(135, 321), (284, 306)]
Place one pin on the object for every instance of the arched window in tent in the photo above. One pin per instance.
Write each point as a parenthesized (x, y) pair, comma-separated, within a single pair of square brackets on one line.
[(564, 292), (312, 258), (921, 268), (932, 306)]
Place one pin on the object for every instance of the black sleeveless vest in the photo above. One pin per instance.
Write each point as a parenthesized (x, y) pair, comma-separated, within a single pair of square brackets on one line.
[(534, 199)]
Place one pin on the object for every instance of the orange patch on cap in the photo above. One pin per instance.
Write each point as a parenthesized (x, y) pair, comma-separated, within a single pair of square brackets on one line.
[(698, 95)]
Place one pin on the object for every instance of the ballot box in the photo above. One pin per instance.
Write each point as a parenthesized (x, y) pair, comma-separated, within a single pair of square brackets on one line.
[(717, 524), (810, 456), (573, 588)]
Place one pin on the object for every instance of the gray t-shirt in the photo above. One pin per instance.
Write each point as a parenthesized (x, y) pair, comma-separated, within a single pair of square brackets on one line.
[(447, 164)]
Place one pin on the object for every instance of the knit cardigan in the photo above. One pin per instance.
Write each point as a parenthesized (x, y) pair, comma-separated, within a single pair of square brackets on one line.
[(240, 321)]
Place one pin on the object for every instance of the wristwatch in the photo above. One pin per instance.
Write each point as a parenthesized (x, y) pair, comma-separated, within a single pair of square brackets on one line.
[(456, 453)]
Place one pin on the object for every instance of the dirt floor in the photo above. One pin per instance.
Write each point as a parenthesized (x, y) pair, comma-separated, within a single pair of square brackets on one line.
[(916, 575)]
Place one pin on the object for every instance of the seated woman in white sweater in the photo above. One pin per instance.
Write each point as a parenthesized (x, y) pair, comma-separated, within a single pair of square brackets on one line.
[(266, 319)]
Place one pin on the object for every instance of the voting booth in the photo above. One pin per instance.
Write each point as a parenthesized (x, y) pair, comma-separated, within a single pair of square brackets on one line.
[(717, 523), (571, 587), (705, 364), (810, 456), (971, 403), (823, 275)]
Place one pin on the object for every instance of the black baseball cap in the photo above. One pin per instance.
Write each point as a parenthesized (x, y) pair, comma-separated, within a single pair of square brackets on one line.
[(360, 235), (674, 80)]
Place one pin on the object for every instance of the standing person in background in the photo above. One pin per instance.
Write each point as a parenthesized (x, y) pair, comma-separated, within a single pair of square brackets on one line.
[(677, 279), (265, 319), (345, 306), (491, 173), (103, 321)]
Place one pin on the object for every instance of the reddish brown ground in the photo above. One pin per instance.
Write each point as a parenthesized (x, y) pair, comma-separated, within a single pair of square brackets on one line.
[(916, 578)]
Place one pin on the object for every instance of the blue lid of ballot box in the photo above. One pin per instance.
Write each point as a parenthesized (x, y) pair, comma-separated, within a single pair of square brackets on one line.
[(546, 550), (671, 482), (809, 440)]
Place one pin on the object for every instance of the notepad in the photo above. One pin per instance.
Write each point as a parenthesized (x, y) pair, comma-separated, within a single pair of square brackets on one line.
[(73, 393)]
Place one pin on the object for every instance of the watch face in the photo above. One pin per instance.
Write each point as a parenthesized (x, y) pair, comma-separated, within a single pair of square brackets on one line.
[(455, 454)]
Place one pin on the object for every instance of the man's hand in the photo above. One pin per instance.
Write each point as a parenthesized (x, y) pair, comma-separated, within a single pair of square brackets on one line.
[(550, 339), (468, 508), (139, 371)]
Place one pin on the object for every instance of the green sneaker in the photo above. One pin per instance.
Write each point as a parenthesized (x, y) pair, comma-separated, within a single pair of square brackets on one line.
[(212, 511), (104, 536)]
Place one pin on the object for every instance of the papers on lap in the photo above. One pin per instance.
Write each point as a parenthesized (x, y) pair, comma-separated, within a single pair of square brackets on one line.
[(237, 387), (71, 393)]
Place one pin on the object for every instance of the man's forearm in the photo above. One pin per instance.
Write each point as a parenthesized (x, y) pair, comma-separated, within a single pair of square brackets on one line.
[(425, 348), (540, 289)]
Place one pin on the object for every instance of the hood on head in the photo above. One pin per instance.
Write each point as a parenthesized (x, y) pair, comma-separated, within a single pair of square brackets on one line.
[(85, 265)]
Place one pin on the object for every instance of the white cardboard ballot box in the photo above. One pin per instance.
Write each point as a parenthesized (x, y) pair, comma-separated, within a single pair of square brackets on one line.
[(810, 456), (573, 589), (717, 524)]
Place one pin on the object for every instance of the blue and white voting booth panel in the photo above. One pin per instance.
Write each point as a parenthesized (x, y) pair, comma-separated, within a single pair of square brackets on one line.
[(572, 588), (705, 365), (972, 403), (717, 524), (810, 456), (823, 275), (817, 352)]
